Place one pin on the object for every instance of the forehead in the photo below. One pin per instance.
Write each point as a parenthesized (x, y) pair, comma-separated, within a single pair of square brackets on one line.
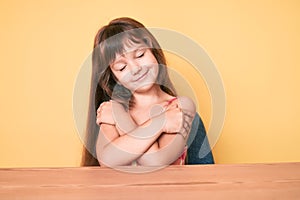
[(120, 44), (130, 46), (127, 48)]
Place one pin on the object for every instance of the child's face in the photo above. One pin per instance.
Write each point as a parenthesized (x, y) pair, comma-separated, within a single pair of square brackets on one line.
[(137, 69)]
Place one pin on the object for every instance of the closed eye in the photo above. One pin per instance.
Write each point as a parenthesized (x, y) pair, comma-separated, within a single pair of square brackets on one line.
[(122, 68), (140, 54)]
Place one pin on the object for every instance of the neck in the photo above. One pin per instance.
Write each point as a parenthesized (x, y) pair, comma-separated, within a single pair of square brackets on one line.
[(149, 97)]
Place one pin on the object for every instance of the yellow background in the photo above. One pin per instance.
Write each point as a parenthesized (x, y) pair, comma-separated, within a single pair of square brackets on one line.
[(254, 44)]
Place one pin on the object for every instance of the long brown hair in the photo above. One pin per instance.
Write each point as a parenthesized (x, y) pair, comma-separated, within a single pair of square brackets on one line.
[(109, 41)]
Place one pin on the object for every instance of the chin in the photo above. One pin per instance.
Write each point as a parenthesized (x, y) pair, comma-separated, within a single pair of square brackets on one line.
[(144, 88)]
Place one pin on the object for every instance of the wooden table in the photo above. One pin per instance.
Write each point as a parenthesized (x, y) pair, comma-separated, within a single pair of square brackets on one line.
[(242, 181)]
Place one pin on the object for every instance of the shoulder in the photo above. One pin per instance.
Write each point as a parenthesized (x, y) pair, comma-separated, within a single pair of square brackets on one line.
[(186, 103)]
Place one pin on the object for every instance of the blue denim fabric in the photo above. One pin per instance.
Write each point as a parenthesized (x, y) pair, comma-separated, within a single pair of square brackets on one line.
[(199, 151)]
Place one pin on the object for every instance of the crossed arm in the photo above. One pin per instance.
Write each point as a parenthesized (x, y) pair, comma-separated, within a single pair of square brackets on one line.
[(158, 141)]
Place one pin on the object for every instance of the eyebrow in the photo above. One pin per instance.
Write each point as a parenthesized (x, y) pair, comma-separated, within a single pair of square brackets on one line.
[(120, 58)]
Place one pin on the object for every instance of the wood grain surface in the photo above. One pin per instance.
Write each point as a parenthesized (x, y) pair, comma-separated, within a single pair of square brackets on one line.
[(239, 181)]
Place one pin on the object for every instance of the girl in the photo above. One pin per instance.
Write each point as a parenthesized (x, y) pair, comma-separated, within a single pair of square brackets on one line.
[(141, 120)]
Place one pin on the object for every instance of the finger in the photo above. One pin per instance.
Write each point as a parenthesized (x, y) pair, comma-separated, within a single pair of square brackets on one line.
[(183, 133), (188, 114), (185, 130), (103, 105), (100, 107), (187, 122), (99, 111), (185, 127), (187, 118), (167, 107), (172, 104), (98, 122)]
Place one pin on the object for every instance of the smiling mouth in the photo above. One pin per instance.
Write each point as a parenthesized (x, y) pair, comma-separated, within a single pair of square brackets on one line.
[(141, 77)]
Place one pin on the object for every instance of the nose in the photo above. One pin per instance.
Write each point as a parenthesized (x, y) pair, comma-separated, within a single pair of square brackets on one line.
[(135, 67)]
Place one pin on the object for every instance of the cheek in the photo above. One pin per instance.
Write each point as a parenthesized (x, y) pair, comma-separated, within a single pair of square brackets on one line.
[(123, 78), (155, 67), (152, 64), (149, 57), (117, 76)]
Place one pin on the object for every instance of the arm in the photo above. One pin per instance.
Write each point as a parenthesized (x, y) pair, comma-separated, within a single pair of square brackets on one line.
[(116, 148), (113, 113), (171, 146)]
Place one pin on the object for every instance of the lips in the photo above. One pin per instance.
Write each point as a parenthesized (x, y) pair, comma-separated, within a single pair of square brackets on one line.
[(141, 77)]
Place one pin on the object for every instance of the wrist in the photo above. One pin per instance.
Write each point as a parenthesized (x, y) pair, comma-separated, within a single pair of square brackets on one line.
[(160, 120)]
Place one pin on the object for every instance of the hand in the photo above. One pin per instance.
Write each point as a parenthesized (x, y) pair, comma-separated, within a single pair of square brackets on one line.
[(182, 125), (174, 120), (105, 113), (187, 123)]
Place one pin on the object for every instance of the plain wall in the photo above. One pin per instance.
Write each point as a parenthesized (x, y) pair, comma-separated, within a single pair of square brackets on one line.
[(254, 44)]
